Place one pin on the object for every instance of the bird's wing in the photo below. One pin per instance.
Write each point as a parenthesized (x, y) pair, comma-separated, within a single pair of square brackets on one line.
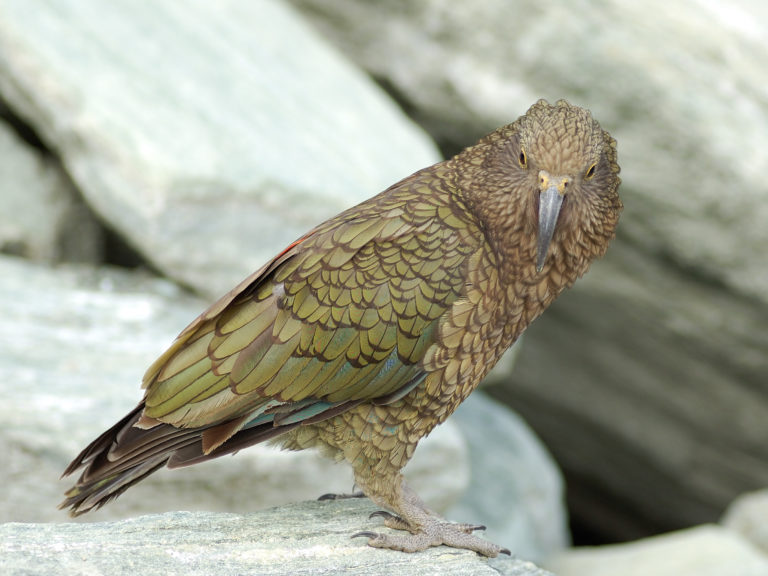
[(343, 315)]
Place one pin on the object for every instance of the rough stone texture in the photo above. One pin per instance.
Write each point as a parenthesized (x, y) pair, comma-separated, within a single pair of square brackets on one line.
[(748, 515), (702, 551), (306, 538), (41, 215), (648, 381), (165, 112), (75, 343)]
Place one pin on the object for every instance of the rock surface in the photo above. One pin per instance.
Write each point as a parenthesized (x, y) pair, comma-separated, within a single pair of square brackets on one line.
[(41, 215), (653, 366), (227, 107), (656, 406), (702, 551), (748, 516), (306, 538), (76, 342)]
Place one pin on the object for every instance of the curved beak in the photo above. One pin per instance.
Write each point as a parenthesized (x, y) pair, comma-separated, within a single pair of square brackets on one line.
[(550, 202)]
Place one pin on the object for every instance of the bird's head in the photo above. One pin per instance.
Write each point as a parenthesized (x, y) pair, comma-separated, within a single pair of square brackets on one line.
[(553, 176)]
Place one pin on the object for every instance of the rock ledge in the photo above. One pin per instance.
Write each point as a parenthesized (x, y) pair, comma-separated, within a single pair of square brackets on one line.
[(303, 538)]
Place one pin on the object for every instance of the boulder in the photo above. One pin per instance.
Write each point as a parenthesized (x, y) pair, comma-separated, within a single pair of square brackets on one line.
[(208, 135), (647, 381), (42, 217), (651, 399), (748, 516), (77, 340), (305, 538), (515, 488), (706, 550)]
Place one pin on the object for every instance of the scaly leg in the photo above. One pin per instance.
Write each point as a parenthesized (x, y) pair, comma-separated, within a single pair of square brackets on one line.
[(426, 528)]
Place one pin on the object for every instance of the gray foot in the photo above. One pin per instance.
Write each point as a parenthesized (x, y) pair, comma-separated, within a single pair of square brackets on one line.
[(423, 528), (432, 534)]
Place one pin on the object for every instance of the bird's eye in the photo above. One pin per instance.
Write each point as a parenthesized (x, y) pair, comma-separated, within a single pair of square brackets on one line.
[(523, 158), (590, 172)]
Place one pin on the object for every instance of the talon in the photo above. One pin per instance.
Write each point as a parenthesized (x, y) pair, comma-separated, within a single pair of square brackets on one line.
[(332, 496), (364, 534), (383, 513), (505, 551), (478, 527)]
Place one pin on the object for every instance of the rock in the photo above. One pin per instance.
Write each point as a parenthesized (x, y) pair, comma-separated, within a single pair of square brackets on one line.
[(630, 423), (76, 342), (305, 538), (702, 551), (226, 131), (748, 516), (654, 365), (41, 215), (516, 489)]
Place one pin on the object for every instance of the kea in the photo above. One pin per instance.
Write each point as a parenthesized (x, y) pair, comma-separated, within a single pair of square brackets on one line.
[(368, 331)]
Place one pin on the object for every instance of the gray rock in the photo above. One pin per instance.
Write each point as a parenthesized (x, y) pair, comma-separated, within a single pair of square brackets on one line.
[(633, 384), (41, 215), (516, 489), (306, 538), (702, 551), (76, 341), (209, 135), (654, 365), (681, 95), (748, 516)]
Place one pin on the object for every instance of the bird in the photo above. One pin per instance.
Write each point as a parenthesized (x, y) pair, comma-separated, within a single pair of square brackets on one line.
[(367, 332)]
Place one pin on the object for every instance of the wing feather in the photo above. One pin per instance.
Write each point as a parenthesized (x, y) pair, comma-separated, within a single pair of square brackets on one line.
[(345, 314)]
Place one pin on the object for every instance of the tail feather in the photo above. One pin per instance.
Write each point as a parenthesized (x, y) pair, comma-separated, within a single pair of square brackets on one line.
[(84, 497), (193, 453), (121, 457), (127, 453)]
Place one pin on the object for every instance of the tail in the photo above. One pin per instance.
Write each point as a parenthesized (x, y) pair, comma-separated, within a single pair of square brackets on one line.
[(126, 454)]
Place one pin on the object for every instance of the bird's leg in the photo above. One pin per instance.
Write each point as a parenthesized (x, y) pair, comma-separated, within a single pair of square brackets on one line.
[(426, 528)]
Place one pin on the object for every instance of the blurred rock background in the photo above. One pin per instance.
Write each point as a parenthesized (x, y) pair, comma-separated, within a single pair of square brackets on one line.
[(192, 141)]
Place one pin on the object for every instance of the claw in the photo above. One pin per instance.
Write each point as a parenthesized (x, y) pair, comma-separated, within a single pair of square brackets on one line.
[(469, 528), (505, 551), (364, 534), (382, 513), (332, 496)]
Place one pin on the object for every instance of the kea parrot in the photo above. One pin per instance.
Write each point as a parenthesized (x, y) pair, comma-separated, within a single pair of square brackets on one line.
[(368, 331)]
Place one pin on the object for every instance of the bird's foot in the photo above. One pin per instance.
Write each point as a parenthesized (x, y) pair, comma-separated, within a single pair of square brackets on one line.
[(396, 523), (341, 496), (433, 533)]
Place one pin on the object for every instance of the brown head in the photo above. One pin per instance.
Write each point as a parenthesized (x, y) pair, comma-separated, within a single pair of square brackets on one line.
[(546, 187)]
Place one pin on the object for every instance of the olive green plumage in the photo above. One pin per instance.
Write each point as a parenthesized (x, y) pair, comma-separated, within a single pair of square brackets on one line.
[(367, 332)]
